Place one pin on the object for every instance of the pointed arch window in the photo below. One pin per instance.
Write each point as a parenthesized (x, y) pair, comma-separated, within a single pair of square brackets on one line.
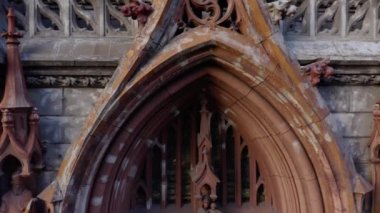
[(166, 183)]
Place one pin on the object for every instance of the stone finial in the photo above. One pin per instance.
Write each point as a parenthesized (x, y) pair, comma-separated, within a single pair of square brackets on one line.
[(318, 70), (19, 136), (280, 9), (138, 10), (203, 176), (15, 94)]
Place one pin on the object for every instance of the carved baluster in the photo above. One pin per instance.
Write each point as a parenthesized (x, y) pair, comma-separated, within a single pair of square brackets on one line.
[(193, 152), (237, 150), (164, 177), (65, 17), (344, 18), (377, 20), (100, 16), (178, 170), (313, 17)]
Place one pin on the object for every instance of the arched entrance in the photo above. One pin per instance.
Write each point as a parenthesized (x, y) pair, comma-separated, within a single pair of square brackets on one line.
[(123, 173), (277, 122)]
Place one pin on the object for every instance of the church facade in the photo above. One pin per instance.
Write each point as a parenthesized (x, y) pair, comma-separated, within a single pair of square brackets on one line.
[(190, 105)]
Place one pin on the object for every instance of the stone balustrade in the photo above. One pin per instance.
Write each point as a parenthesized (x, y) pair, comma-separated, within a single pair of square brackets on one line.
[(333, 19), (78, 18)]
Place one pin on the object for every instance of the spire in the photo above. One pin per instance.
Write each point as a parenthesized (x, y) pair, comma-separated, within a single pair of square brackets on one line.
[(15, 94), (19, 120)]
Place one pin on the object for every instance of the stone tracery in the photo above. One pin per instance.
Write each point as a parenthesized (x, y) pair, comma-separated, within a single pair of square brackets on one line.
[(212, 13)]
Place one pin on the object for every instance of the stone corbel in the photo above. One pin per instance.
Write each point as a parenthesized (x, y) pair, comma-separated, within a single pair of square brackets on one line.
[(318, 70)]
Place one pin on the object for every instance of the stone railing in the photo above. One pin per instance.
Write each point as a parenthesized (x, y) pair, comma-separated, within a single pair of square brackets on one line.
[(76, 18), (334, 19), (337, 19)]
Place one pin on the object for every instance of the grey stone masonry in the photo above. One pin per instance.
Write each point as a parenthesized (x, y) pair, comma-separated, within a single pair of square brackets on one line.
[(62, 114), (351, 106)]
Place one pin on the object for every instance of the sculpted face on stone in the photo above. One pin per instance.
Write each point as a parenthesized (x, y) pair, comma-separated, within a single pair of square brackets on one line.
[(16, 199)]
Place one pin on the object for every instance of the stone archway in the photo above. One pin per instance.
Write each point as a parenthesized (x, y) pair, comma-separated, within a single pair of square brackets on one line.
[(254, 83)]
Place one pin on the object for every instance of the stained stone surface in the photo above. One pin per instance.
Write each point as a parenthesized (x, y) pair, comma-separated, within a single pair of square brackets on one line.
[(54, 155), (63, 112), (49, 101), (79, 102), (364, 97), (74, 51), (337, 98), (351, 108)]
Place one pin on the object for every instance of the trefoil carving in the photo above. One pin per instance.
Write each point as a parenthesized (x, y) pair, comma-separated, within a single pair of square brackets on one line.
[(211, 13)]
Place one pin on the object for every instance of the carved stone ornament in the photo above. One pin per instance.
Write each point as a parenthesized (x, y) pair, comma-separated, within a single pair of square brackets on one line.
[(280, 9), (138, 10), (318, 70), (67, 81), (211, 13), (202, 175), (17, 199)]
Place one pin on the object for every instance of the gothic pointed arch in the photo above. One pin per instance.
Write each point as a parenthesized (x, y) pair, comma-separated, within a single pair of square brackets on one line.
[(229, 51)]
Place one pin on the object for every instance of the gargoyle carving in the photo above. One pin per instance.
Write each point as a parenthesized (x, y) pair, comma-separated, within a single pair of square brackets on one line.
[(138, 10), (280, 9), (318, 70)]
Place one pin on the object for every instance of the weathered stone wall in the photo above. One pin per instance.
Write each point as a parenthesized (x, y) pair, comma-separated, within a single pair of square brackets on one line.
[(62, 113), (351, 106)]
